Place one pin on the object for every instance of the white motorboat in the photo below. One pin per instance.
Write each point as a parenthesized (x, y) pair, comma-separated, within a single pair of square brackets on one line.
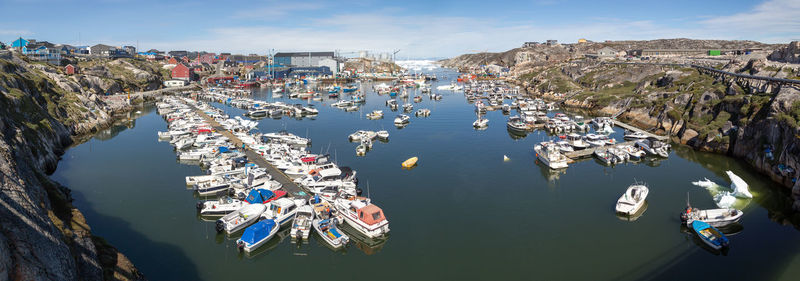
[(633, 153), (326, 228), (212, 187), (220, 207), (383, 134), (240, 219), (619, 155), (635, 135), (577, 142), (480, 122), (633, 199), (283, 210), (604, 156), (301, 226), (407, 107), (401, 119), (564, 146), (549, 155), (363, 216)]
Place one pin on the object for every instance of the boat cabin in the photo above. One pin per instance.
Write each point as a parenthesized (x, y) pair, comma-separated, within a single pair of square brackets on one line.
[(369, 214)]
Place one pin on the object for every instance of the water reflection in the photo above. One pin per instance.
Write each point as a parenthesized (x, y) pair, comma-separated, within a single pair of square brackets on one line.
[(634, 216), (269, 245)]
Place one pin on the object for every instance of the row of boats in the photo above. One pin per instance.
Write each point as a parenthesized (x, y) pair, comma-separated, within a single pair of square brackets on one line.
[(248, 199)]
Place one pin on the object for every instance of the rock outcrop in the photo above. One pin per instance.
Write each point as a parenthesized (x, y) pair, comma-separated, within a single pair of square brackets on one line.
[(42, 236), (789, 54)]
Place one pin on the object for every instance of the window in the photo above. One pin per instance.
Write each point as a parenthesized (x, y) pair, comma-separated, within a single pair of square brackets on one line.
[(376, 215), (361, 215)]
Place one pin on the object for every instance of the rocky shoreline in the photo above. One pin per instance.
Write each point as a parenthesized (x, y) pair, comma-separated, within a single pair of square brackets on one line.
[(750, 120), (42, 235)]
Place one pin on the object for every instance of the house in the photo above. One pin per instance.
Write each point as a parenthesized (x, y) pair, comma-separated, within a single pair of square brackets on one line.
[(552, 42), (172, 60), (185, 59), (206, 58), (43, 51), (582, 40), (178, 53), (131, 50), (530, 44), (181, 72), (103, 50), (19, 43), (70, 69), (607, 52)]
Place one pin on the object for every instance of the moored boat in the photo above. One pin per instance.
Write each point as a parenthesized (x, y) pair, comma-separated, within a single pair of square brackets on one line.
[(710, 235), (633, 199), (256, 235)]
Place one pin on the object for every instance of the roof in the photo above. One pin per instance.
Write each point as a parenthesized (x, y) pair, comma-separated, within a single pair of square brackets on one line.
[(300, 54), (371, 214)]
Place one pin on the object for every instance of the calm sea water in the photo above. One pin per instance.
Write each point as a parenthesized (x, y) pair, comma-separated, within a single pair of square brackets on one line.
[(462, 214)]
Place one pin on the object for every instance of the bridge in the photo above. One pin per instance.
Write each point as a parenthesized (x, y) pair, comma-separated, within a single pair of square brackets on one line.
[(719, 73)]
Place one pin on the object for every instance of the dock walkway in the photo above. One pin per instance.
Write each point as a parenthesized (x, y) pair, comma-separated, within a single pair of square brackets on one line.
[(583, 153), (632, 128), (288, 185)]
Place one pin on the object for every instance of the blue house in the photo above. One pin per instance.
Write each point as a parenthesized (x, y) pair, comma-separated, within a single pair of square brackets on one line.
[(19, 43)]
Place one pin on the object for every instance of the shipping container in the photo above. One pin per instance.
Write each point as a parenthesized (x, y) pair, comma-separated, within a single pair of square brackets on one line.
[(714, 52)]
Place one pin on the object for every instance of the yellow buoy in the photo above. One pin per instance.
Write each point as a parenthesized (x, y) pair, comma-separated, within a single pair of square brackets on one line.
[(410, 162)]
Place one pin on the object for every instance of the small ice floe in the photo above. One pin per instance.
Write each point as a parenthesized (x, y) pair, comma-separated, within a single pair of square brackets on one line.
[(505, 158)]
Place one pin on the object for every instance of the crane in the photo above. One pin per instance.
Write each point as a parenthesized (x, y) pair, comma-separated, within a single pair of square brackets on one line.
[(394, 53)]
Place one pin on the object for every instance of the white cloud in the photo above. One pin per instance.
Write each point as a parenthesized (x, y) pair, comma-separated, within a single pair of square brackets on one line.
[(276, 10), (15, 32), (441, 36)]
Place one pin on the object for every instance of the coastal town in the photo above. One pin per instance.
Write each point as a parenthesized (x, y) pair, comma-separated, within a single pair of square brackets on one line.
[(285, 141)]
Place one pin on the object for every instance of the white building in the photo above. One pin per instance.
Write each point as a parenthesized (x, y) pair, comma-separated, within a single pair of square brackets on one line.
[(330, 63), (174, 83)]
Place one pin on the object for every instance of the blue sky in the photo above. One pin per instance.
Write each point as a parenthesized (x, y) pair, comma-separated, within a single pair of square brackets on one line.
[(419, 28)]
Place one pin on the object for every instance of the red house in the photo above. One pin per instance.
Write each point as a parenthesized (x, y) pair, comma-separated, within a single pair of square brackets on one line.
[(172, 60), (70, 69), (181, 72)]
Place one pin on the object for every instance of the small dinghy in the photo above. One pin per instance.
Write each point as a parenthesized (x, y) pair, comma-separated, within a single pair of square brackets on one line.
[(633, 199), (710, 235), (239, 219), (410, 162), (330, 233), (256, 235)]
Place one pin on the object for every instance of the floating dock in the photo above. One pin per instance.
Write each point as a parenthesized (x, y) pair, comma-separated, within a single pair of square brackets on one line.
[(584, 153), (288, 185)]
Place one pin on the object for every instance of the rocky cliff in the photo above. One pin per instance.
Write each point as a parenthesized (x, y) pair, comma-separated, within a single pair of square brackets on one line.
[(42, 236), (788, 54)]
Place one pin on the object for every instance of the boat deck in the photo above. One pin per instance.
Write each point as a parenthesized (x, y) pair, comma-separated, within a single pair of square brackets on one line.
[(289, 186)]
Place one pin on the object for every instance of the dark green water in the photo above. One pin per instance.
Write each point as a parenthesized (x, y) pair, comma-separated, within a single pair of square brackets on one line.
[(462, 214)]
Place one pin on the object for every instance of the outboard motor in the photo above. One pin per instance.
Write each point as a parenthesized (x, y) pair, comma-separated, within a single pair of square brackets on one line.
[(219, 226), (200, 205), (240, 246)]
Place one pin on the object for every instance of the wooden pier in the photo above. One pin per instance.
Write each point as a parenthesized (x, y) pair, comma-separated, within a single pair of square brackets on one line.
[(288, 185)]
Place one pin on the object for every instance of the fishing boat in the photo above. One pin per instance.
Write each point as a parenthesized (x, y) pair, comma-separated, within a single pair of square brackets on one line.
[(576, 141), (365, 217), (633, 199), (710, 235), (326, 228), (549, 155), (515, 124), (239, 219), (633, 153), (256, 235), (401, 119), (713, 217), (301, 226), (410, 162)]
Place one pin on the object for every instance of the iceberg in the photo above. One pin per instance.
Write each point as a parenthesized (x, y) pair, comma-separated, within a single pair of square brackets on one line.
[(724, 200), (739, 186), (706, 183)]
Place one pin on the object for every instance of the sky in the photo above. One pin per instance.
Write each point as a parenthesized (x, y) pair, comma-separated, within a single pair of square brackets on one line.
[(417, 28)]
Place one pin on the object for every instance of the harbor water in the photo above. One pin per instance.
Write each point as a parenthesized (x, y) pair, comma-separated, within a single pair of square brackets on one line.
[(462, 214)]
